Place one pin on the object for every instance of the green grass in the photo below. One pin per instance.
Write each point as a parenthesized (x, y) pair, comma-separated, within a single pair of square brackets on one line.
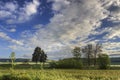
[(60, 74), (34, 72)]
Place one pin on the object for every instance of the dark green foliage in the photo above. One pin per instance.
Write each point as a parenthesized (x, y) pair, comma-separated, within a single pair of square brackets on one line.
[(67, 64), (6, 77), (104, 61), (53, 64), (39, 55)]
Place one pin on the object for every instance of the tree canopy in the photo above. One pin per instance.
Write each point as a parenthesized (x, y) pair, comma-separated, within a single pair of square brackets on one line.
[(39, 55)]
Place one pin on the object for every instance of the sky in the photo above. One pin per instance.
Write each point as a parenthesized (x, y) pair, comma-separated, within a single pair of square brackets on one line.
[(57, 26)]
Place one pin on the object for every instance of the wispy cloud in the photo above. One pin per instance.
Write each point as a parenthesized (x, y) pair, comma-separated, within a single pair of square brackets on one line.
[(6, 37)]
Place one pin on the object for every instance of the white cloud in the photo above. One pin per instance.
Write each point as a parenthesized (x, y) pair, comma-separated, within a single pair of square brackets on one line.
[(112, 47), (114, 32), (75, 20), (16, 14), (5, 14), (60, 4), (31, 8), (11, 6), (12, 30), (113, 6), (6, 37), (72, 20)]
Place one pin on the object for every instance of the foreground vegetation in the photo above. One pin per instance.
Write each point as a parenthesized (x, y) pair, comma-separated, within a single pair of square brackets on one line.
[(35, 72), (61, 74), (75, 68)]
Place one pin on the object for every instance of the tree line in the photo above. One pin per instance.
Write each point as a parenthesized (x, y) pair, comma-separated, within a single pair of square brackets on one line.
[(93, 54), (89, 55)]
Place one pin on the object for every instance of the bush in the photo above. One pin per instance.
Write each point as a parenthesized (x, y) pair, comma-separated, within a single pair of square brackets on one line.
[(53, 64), (104, 61), (6, 77), (67, 63)]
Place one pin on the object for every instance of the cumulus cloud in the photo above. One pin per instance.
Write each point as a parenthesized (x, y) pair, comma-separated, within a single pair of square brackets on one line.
[(10, 6), (31, 8), (16, 14), (74, 21)]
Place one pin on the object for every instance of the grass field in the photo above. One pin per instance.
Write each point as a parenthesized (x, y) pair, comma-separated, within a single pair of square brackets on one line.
[(34, 72), (59, 74)]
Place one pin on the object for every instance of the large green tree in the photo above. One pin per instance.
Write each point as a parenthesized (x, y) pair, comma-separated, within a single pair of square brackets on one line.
[(39, 55), (104, 61)]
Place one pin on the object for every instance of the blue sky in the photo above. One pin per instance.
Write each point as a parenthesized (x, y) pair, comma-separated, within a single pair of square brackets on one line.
[(57, 26)]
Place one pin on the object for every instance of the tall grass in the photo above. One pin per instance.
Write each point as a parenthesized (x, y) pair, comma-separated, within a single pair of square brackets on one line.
[(60, 75)]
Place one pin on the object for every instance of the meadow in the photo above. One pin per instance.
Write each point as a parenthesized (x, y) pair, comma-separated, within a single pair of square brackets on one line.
[(35, 72), (59, 74)]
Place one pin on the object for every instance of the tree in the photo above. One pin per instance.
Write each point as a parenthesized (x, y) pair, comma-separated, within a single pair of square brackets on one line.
[(77, 52), (39, 55), (97, 51), (76, 62), (12, 57), (104, 61), (36, 54), (88, 51), (43, 57)]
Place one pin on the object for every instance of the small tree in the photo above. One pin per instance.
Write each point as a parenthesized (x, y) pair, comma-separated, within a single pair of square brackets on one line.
[(12, 57), (104, 61)]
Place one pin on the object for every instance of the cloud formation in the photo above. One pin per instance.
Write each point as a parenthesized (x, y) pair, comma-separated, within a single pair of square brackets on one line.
[(13, 13), (6, 37), (75, 23)]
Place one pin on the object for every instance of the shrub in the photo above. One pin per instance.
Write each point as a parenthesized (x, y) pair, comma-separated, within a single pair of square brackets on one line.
[(67, 63), (104, 61), (53, 64), (6, 77)]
